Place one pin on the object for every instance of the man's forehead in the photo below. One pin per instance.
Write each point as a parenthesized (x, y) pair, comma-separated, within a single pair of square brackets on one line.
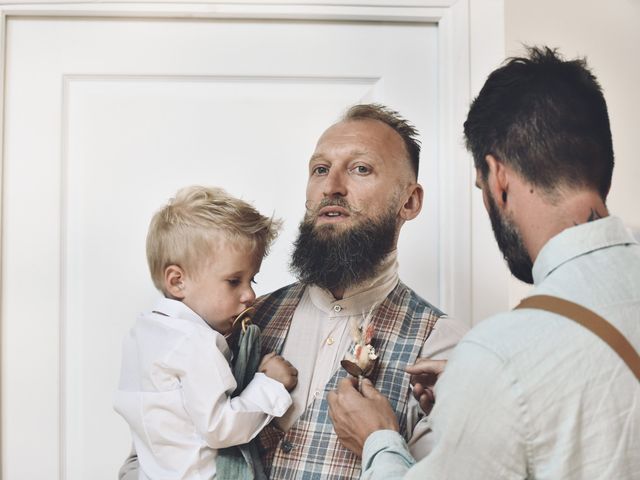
[(358, 126), (347, 151), (359, 137)]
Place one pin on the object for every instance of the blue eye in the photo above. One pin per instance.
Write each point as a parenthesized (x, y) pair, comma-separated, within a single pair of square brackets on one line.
[(362, 169), (320, 170)]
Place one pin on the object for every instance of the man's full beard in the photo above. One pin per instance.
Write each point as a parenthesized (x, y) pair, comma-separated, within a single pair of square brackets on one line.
[(510, 244), (337, 259)]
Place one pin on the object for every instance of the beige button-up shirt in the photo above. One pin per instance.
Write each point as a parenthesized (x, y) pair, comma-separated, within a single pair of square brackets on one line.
[(321, 329)]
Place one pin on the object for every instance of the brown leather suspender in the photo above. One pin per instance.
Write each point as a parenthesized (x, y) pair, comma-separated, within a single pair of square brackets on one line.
[(591, 321)]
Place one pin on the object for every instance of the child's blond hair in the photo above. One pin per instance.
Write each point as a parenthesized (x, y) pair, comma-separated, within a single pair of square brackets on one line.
[(185, 230)]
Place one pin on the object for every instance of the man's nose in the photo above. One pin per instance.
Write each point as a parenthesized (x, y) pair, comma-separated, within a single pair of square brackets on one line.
[(335, 184)]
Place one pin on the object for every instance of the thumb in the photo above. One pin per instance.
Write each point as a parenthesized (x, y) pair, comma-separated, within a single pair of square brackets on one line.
[(368, 390), (265, 360), (269, 356)]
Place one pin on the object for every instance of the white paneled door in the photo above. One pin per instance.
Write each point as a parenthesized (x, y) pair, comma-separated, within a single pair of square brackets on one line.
[(108, 110)]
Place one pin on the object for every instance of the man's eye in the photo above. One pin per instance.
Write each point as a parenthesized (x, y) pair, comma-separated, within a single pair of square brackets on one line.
[(361, 169), (320, 170), (253, 280), (234, 282)]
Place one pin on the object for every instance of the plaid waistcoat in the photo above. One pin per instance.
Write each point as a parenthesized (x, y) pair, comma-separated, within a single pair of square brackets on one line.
[(310, 449)]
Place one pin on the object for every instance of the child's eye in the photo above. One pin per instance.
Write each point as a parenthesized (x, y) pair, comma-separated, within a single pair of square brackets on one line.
[(253, 280), (234, 282)]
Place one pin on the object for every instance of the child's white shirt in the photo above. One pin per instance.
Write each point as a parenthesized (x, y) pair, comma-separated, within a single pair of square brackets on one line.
[(174, 392)]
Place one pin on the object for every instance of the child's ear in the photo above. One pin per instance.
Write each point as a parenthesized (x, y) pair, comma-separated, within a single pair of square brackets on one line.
[(174, 279)]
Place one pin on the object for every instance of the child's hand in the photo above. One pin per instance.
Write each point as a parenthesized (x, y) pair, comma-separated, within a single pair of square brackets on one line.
[(276, 367)]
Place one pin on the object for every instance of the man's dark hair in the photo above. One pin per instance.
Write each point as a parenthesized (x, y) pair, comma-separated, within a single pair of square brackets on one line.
[(547, 119), (408, 132)]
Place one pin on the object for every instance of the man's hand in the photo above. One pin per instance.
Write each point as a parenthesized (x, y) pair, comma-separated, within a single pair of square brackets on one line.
[(355, 416), (424, 374), (276, 367)]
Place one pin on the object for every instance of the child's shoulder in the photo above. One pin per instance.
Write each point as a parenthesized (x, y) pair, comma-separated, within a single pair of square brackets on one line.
[(166, 330)]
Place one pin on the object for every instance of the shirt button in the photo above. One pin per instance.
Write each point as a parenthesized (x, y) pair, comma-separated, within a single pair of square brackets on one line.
[(330, 341), (337, 308), (286, 446)]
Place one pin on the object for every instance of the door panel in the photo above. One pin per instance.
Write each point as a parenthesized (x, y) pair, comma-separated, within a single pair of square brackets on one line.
[(105, 118)]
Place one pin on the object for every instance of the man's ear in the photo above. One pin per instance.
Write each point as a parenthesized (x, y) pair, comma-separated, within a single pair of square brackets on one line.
[(412, 206), (497, 180), (174, 279)]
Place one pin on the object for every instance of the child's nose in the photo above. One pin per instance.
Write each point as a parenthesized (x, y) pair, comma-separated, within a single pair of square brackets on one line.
[(248, 297)]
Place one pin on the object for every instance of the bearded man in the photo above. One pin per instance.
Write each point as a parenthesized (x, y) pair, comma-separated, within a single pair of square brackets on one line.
[(532, 393), (362, 188)]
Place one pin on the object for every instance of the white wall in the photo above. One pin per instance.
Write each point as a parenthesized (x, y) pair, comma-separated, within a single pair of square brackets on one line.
[(608, 34)]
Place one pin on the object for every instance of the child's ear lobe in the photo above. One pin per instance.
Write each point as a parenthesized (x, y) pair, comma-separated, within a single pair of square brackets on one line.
[(174, 279)]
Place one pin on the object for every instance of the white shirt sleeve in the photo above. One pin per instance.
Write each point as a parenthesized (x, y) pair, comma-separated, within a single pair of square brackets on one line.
[(385, 456), (478, 426), (206, 384), (445, 336), (478, 421)]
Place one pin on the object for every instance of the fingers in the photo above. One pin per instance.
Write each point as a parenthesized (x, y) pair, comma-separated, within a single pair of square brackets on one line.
[(266, 359), (269, 356), (356, 415), (417, 391), (427, 401), (424, 396), (424, 366), (292, 370), (347, 383), (368, 390), (331, 400)]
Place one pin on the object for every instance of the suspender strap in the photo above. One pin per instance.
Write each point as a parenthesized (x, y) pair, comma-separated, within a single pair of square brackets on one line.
[(590, 321)]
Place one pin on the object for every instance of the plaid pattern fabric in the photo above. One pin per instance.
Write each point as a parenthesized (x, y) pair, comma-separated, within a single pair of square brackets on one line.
[(310, 449)]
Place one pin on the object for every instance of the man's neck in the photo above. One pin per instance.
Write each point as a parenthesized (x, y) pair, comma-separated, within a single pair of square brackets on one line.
[(386, 267), (338, 293), (541, 219)]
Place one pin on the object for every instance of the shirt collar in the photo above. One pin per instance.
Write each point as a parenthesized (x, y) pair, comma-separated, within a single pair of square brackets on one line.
[(177, 309), (579, 240), (361, 297)]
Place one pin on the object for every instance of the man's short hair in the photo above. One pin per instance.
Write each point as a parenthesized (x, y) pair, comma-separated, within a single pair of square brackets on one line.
[(408, 133), (546, 118), (186, 230)]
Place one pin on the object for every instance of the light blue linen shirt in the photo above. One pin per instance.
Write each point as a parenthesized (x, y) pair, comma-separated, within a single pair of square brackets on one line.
[(530, 394)]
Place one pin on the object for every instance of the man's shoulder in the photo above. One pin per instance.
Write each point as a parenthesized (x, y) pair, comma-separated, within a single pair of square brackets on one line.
[(518, 334), (284, 299), (293, 290), (416, 303)]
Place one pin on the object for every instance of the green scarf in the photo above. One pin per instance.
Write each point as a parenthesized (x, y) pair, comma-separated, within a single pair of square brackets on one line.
[(242, 462)]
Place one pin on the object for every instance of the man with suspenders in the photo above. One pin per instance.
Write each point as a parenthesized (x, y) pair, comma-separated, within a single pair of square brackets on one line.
[(550, 390)]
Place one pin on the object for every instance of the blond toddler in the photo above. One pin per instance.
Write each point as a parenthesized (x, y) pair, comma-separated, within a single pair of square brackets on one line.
[(204, 249)]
